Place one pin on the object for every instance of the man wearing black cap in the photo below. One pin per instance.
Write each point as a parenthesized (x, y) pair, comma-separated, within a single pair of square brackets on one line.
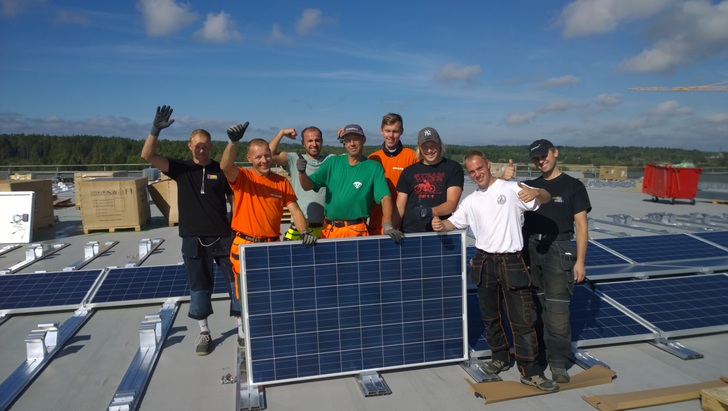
[(353, 183), (555, 263), (429, 187)]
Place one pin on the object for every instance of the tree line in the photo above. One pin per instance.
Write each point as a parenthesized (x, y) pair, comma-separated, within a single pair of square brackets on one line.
[(81, 151)]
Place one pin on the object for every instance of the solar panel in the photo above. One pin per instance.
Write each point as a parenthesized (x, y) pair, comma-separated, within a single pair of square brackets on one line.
[(598, 256), (153, 283), (662, 248), (716, 237), (33, 292), (354, 304), (678, 305), (596, 321)]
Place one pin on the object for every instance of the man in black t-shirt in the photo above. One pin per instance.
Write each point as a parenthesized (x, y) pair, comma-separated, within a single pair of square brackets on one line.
[(555, 263), (429, 187), (202, 197)]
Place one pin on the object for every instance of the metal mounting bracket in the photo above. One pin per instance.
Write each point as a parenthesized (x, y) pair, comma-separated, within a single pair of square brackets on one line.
[(91, 250), (146, 248), (474, 368), (372, 384), (33, 253), (675, 348)]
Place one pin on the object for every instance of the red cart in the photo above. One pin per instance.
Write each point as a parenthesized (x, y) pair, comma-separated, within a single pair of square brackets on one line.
[(671, 182)]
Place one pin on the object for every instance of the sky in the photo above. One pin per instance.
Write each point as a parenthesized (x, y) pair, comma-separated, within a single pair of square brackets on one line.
[(480, 72)]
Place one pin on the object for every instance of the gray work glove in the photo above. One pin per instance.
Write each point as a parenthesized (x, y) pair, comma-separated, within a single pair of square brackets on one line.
[(392, 232), (301, 164), (235, 133), (161, 120), (423, 211), (307, 238)]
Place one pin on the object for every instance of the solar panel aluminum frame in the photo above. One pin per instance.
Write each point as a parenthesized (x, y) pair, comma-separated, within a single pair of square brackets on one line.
[(246, 249)]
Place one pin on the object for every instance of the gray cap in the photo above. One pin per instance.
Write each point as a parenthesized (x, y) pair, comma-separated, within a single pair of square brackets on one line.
[(428, 134)]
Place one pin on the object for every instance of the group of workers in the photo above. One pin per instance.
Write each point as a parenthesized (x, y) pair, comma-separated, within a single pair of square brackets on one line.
[(393, 191)]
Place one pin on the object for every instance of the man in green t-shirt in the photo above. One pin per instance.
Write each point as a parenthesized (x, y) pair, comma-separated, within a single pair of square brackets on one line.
[(353, 183)]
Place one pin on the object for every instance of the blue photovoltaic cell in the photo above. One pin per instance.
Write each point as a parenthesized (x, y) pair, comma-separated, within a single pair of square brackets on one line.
[(716, 237), (597, 256), (594, 320), (675, 304), (661, 248), (144, 283), (352, 304), (40, 290)]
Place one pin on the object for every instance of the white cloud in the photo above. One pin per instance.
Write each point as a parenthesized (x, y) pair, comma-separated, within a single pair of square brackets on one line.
[(451, 73), (557, 106), (11, 8), (310, 19), (277, 36), (165, 17), (695, 31), (218, 28), (608, 100), (586, 17), (66, 17), (520, 118), (670, 107), (717, 118), (557, 82)]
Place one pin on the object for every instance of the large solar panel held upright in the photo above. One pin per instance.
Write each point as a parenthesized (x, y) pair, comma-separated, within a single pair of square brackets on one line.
[(349, 305), (42, 291)]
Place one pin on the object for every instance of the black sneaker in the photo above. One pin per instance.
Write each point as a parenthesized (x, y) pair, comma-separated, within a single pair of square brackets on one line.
[(203, 343), (559, 374), (540, 382), (495, 366)]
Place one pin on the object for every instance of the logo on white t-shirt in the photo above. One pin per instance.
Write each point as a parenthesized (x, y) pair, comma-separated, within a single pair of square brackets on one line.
[(501, 199), (357, 184)]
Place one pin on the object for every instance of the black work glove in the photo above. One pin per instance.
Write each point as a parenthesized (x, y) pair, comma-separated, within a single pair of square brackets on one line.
[(301, 164), (235, 133), (161, 120), (307, 238), (423, 211), (392, 232)]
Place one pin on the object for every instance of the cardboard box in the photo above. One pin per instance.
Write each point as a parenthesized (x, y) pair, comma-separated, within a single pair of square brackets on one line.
[(80, 177), (164, 195), (714, 399), (43, 215), (619, 173), (110, 203)]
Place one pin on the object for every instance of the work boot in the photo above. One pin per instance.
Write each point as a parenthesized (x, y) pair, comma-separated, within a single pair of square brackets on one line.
[(495, 366), (559, 374), (203, 343), (540, 382)]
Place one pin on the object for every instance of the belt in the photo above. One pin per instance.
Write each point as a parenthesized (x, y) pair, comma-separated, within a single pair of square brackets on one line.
[(310, 225), (552, 237), (257, 239), (344, 223), (478, 250)]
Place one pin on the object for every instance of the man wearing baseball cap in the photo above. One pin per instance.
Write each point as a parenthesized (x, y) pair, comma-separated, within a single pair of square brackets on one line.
[(429, 187), (353, 183), (555, 263)]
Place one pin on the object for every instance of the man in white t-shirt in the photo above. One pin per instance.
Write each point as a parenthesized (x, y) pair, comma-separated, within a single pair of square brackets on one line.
[(494, 213)]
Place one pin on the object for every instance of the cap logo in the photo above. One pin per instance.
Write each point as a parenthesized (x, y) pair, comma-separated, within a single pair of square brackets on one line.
[(534, 148), (428, 132)]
